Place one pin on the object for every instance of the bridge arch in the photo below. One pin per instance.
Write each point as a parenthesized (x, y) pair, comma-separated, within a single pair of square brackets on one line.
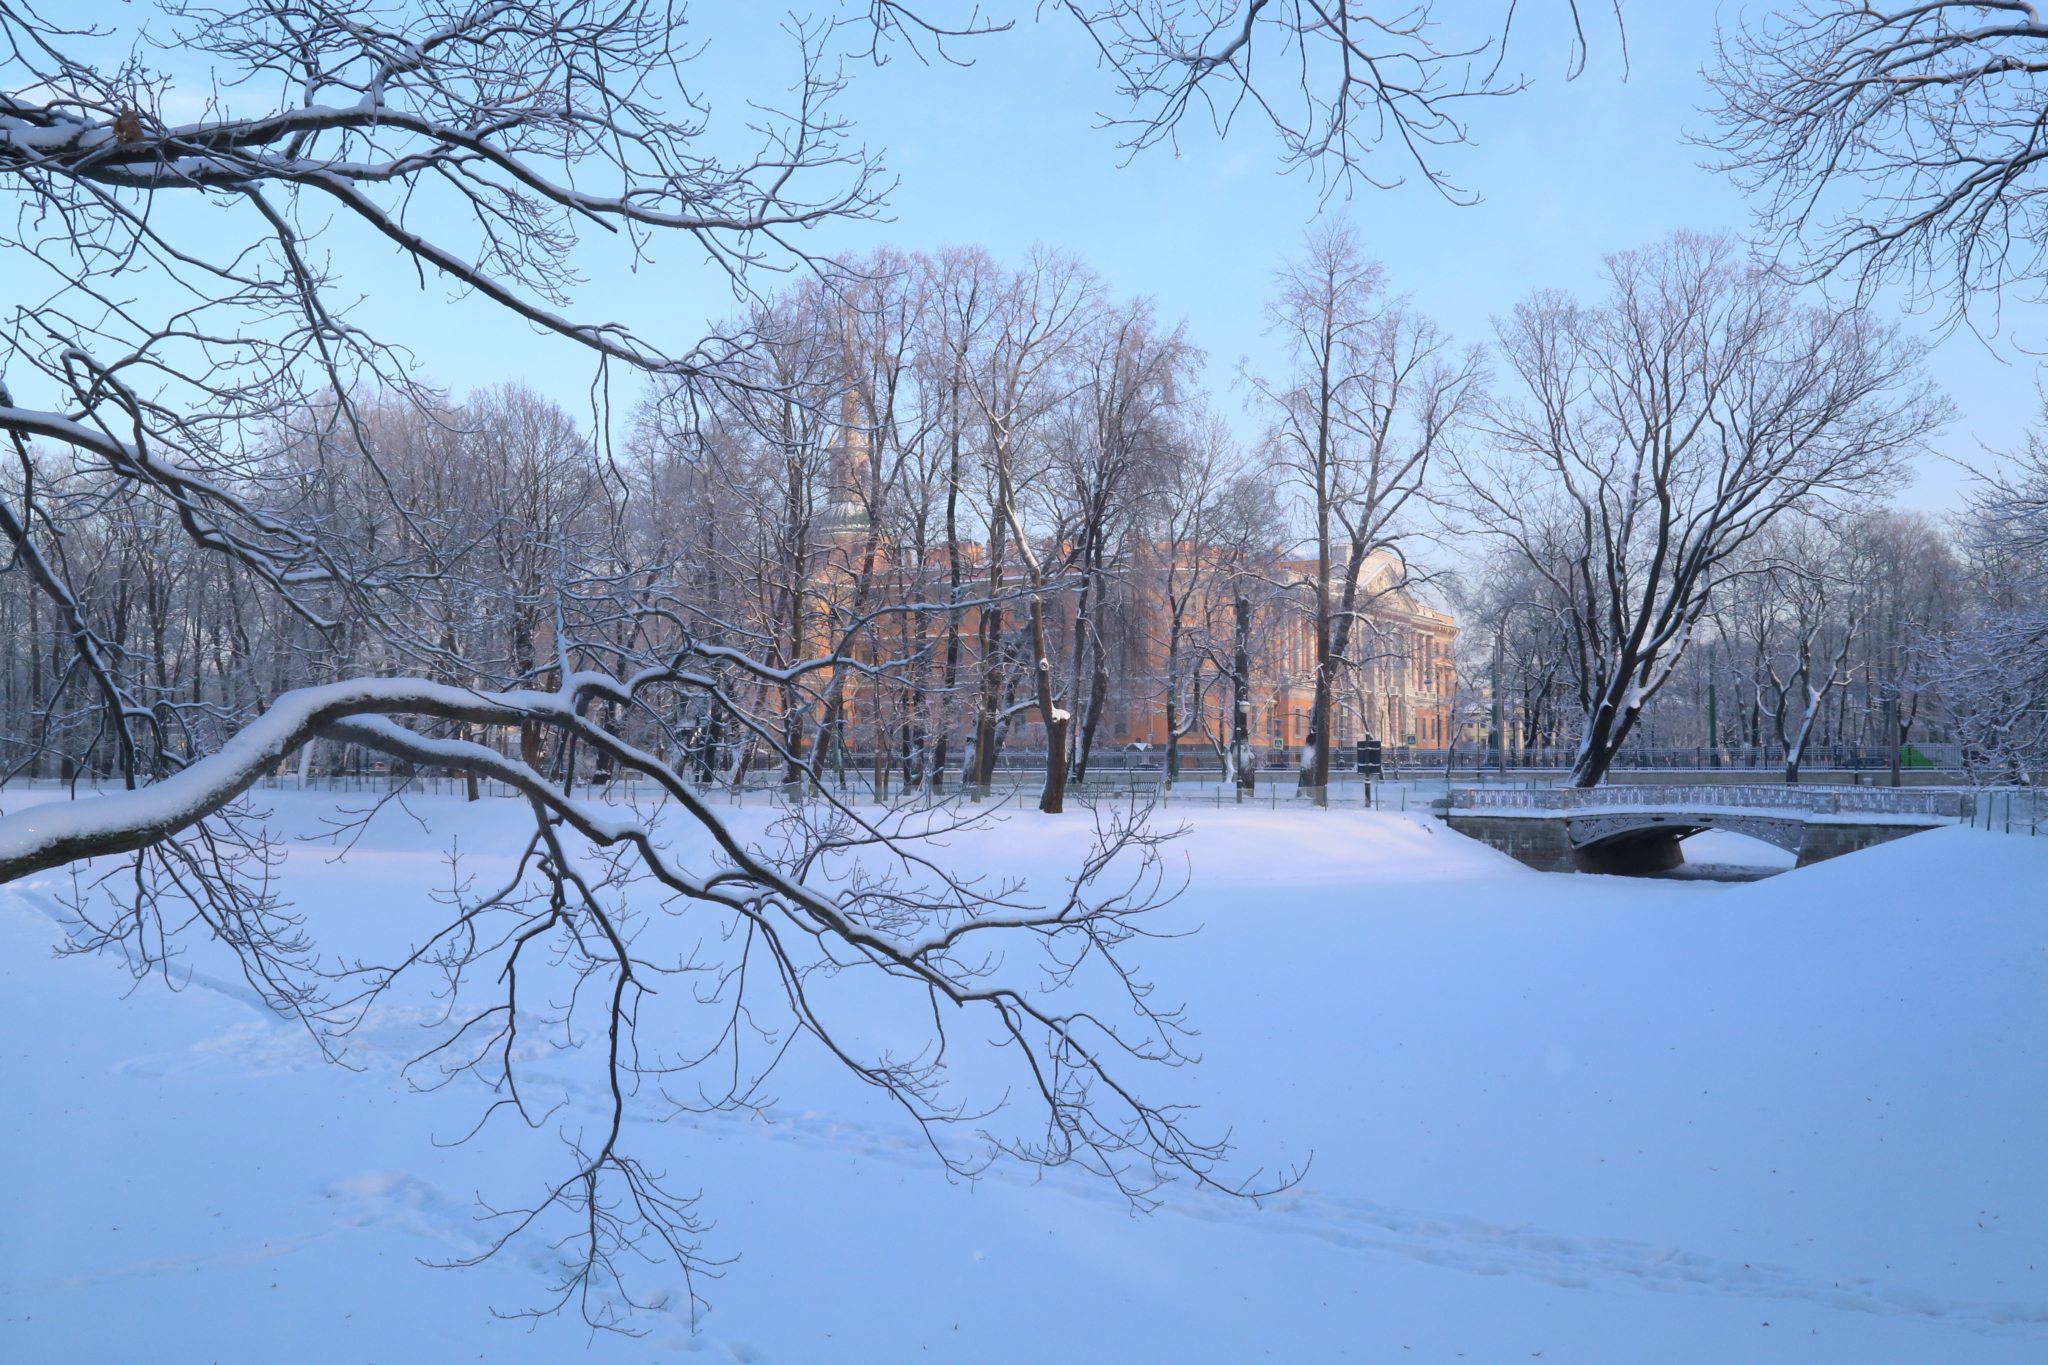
[(1594, 831)]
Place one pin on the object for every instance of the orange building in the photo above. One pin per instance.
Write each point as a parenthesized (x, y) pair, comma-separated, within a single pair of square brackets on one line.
[(1399, 690)]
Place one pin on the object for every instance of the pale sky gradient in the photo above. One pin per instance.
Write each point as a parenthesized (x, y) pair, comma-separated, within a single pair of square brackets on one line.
[(1008, 152)]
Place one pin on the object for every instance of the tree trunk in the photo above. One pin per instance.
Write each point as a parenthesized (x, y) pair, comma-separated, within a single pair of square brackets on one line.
[(1244, 771), (1314, 778), (1091, 720), (1606, 730), (944, 725), (982, 761), (1173, 715), (1053, 799)]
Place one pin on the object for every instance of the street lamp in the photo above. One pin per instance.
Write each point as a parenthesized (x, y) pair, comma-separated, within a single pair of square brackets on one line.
[(1713, 707)]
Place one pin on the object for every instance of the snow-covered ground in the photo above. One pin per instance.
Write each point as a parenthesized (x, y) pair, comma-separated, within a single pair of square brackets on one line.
[(1725, 850), (1556, 1118)]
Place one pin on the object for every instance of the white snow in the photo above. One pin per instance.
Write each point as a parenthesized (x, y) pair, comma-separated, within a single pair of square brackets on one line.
[(1719, 812), (1726, 848), (1574, 1119)]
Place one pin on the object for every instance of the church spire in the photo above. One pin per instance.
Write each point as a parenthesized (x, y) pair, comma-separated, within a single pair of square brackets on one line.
[(846, 508)]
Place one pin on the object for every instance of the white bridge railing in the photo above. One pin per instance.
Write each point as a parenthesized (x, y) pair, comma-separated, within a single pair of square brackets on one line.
[(1936, 803)]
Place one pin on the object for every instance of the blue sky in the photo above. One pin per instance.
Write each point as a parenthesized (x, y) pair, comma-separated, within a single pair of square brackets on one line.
[(1007, 152)]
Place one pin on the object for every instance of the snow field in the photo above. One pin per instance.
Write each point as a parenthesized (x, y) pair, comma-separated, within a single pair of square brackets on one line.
[(1800, 1119)]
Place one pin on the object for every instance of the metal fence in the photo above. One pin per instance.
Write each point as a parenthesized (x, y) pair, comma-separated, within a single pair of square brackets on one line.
[(1404, 759), (1017, 788), (2008, 810), (1757, 757), (2012, 810), (1944, 803)]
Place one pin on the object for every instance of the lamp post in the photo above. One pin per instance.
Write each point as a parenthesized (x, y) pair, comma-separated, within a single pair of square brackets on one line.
[(1498, 738), (1713, 725), (1893, 740)]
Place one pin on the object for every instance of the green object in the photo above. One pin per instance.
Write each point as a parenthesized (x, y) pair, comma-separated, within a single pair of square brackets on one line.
[(1911, 757)]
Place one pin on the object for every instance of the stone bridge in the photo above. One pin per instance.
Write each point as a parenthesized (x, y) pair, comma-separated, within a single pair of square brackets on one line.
[(1637, 829)]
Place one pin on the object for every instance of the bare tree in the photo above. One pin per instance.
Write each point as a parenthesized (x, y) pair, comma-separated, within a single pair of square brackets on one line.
[(227, 398), (1913, 583), (1335, 79), (1903, 141), (1514, 613), (1375, 392), (1114, 446), (1247, 525), (1182, 519), (1656, 434), (189, 351), (1814, 610), (1993, 668), (1022, 375), (1894, 140), (959, 287)]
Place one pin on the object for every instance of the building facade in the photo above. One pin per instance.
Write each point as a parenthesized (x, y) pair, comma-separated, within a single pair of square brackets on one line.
[(1399, 687)]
